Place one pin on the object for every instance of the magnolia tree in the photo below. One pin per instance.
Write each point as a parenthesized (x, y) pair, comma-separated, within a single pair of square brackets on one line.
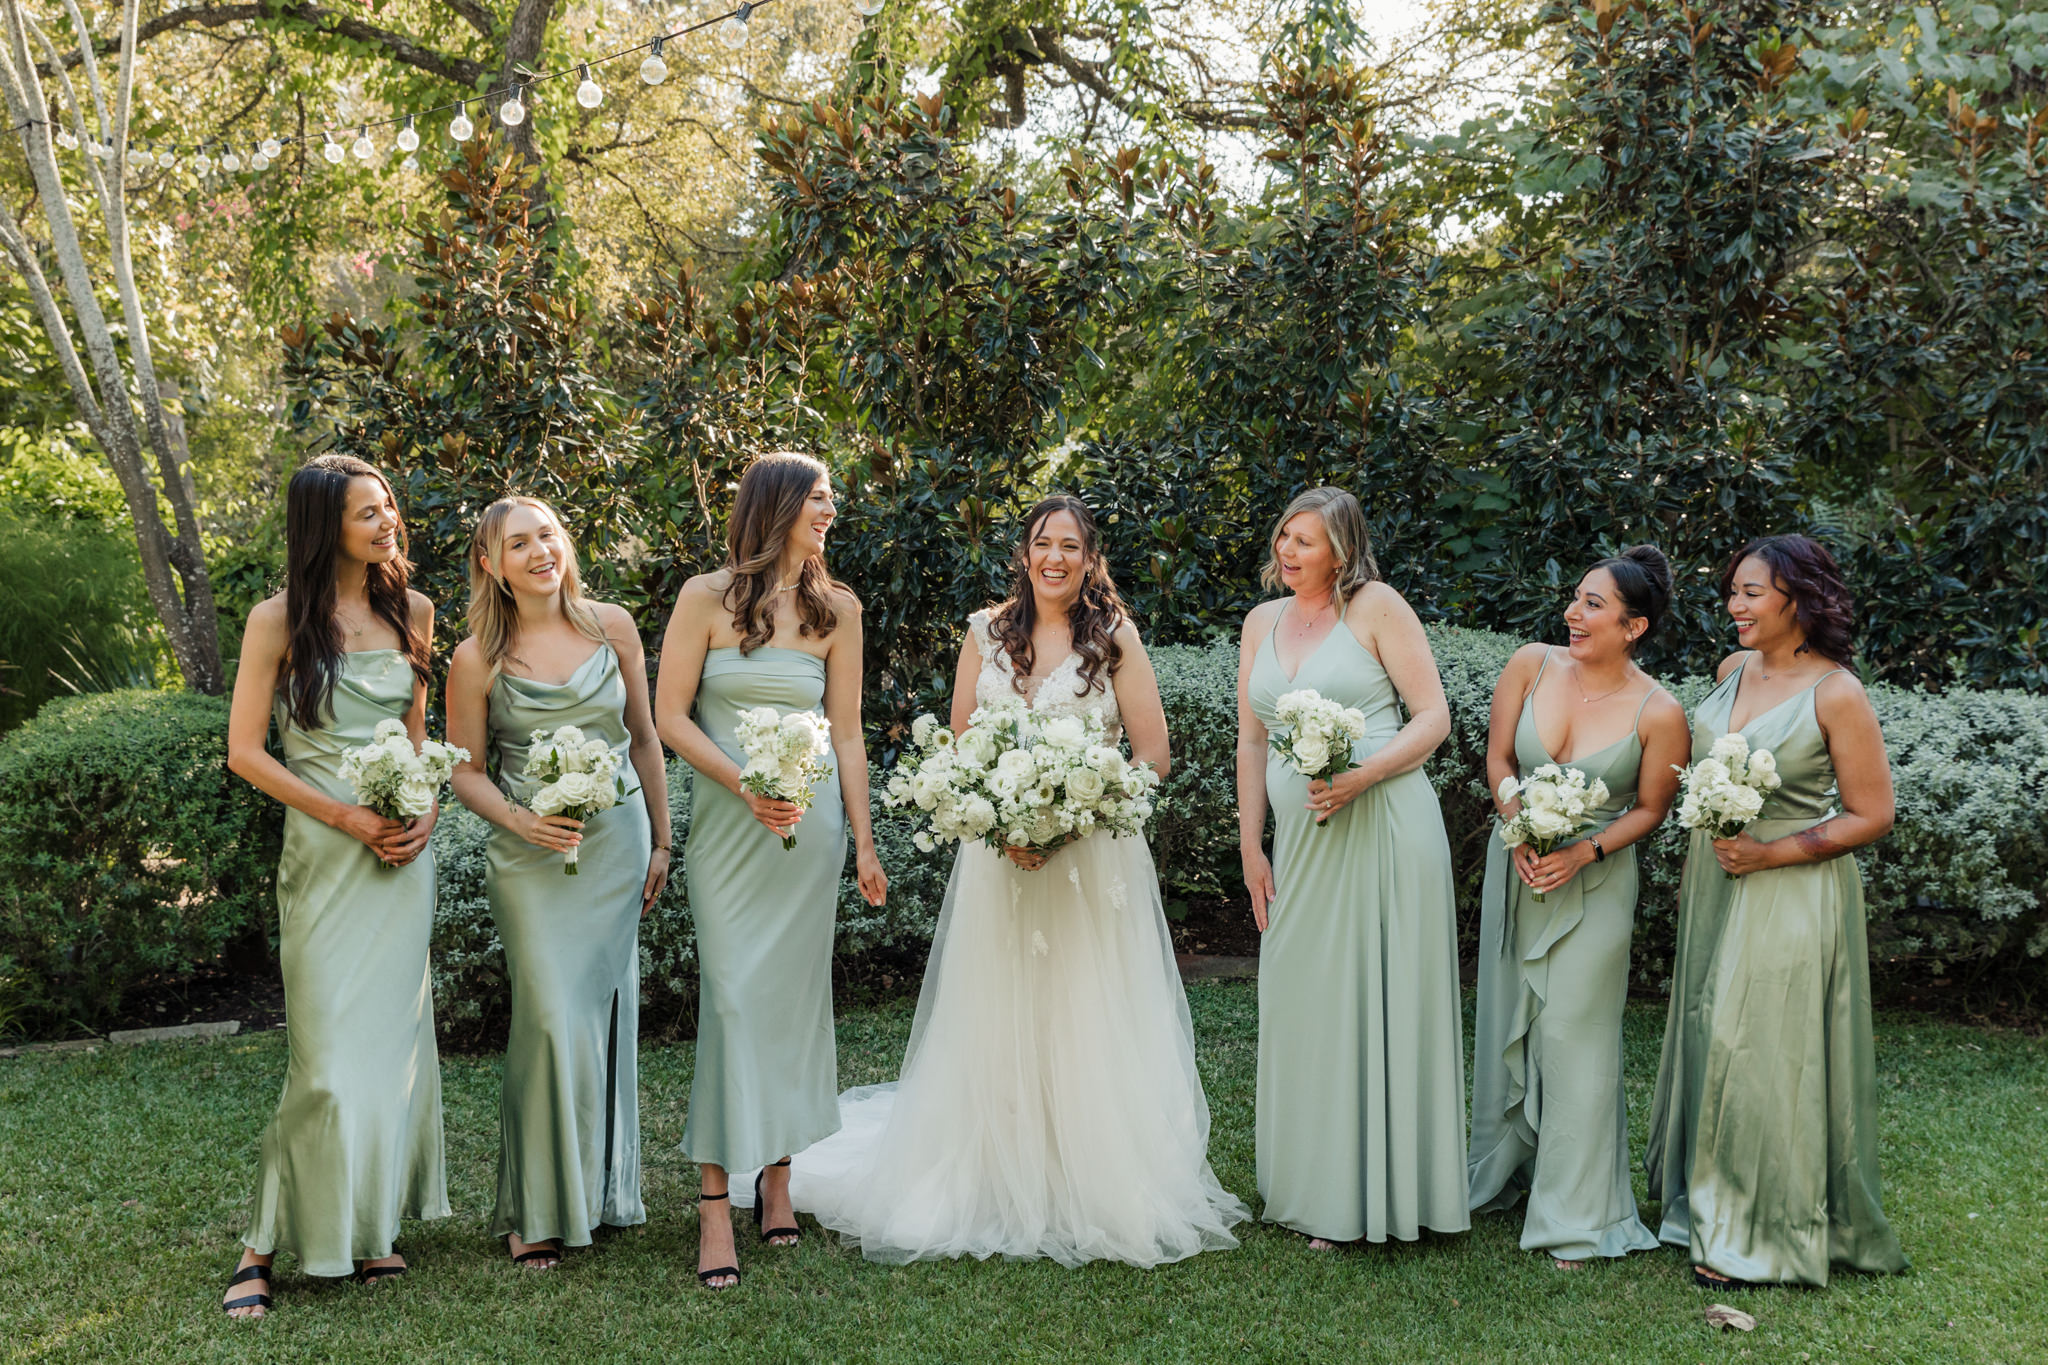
[(114, 384)]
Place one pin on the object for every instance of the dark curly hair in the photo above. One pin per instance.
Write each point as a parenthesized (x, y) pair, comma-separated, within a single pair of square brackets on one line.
[(1803, 569), (1642, 575), (1092, 620)]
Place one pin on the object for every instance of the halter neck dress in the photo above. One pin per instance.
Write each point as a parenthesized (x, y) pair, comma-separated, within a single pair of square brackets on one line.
[(1360, 1125), (1763, 1136), (1548, 1115)]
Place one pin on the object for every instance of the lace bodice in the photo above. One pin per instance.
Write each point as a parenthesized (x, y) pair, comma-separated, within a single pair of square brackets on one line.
[(1060, 694)]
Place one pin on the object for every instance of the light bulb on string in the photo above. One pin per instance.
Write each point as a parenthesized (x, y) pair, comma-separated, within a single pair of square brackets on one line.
[(513, 111), (202, 164), (589, 94), (67, 139), (259, 161), (867, 8), (733, 32), (230, 161), (364, 148), (168, 158), (270, 148), (654, 70), (98, 149), (408, 137), (333, 151), (138, 157), (459, 127)]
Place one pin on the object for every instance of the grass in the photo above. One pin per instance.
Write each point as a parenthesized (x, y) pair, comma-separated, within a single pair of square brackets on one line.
[(124, 1173)]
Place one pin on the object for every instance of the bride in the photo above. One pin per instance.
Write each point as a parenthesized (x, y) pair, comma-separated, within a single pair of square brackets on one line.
[(1049, 1104)]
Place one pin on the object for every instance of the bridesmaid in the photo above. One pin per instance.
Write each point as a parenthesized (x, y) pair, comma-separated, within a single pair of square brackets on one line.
[(1361, 1104), (355, 1144), (539, 656), (771, 628), (1548, 1116), (1763, 1138)]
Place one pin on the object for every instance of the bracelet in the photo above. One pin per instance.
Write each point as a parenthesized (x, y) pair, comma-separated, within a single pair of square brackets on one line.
[(663, 848), (1599, 853)]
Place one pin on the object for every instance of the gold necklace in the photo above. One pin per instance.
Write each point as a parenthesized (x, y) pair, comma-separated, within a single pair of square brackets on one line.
[(1585, 700)]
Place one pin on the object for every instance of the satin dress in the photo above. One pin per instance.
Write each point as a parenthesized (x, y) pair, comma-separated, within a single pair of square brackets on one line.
[(1549, 1119), (1360, 1122), (569, 1112), (355, 1144), (767, 1078), (1763, 1136)]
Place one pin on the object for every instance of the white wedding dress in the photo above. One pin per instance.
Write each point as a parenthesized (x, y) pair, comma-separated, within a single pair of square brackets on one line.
[(1049, 1103)]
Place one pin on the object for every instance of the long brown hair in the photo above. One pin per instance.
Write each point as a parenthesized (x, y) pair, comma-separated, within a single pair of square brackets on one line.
[(493, 614), (1092, 620), (316, 503), (771, 499), (1805, 571)]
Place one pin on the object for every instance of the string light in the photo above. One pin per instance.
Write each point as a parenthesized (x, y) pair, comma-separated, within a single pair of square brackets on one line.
[(733, 32), (654, 70), (867, 8)]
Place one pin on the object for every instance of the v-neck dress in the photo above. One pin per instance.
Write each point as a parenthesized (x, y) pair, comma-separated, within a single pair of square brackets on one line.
[(1360, 1125), (1548, 1115), (1763, 1136), (569, 1112)]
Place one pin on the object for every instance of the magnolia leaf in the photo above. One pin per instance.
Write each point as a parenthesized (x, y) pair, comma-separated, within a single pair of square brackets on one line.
[(1722, 1316)]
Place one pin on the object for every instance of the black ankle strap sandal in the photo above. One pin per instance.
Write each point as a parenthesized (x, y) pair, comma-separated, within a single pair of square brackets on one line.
[(760, 1215), (243, 1276), (705, 1277)]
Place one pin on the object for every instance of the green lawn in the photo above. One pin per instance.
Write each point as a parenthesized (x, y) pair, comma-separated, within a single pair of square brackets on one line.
[(123, 1175)]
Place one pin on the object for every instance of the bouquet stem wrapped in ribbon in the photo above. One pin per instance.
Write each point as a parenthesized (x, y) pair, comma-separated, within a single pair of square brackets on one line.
[(785, 756), (396, 780), (578, 777), (1013, 779), (1318, 735), (1724, 791), (1557, 806)]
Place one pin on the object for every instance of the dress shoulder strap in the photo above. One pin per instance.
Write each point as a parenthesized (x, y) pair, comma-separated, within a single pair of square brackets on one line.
[(1644, 703), (1539, 671)]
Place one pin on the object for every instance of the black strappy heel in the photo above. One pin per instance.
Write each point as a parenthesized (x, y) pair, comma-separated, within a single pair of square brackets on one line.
[(760, 1213), (243, 1276), (377, 1274), (540, 1252), (705, 1277)]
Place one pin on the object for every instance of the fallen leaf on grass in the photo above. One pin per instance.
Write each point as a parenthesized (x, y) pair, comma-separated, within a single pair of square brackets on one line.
[(1722, 1316)]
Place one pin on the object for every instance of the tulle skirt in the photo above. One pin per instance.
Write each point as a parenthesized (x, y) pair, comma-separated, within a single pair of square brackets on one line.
[(1049, 1104)]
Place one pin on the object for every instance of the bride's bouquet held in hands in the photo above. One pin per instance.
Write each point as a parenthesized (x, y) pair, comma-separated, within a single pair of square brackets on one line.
[(1014, 780), (1316, 735), (1557, 805), (1724, 791), (785, 756), (396, 780), (578, 777)]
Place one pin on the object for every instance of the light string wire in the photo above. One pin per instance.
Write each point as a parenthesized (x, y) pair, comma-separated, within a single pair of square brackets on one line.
[(517, 85)]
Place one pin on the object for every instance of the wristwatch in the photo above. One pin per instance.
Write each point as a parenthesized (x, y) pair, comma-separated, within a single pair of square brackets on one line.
[(1599, 853)]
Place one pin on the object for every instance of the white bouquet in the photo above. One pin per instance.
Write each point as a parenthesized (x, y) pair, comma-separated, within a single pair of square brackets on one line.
[(393, 778), (1724, 791), (1318, 734), (578, 777), (1015, 780), (1557, 804), (785, 755)]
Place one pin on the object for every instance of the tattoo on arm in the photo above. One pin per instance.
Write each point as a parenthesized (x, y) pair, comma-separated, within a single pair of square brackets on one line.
[(1816, 844)]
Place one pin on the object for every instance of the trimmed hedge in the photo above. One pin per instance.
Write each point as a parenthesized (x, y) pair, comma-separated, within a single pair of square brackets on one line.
[(127, 849)]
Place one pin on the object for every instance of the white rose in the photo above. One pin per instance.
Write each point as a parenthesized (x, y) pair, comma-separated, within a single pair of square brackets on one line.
[(1507, 789), (1311, 754), (1066, 732), (575, 789), (1019, 764), (1085, 785), (415, 796)]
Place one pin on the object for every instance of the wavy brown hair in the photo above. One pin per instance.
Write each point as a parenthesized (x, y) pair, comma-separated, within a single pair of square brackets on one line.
[(771, 499), (1092, 620), (1803, 569), (315, 504)]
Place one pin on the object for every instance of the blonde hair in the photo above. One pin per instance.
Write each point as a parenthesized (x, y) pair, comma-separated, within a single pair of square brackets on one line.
[(771, 499), (1344, 523), (493, 615)]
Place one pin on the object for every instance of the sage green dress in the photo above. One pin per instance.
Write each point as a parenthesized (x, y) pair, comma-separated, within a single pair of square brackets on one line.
[(1360, 1124), (1548, 1115), (569, 1113), (1763, 1136), (355, 1144), (767, 1078)]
